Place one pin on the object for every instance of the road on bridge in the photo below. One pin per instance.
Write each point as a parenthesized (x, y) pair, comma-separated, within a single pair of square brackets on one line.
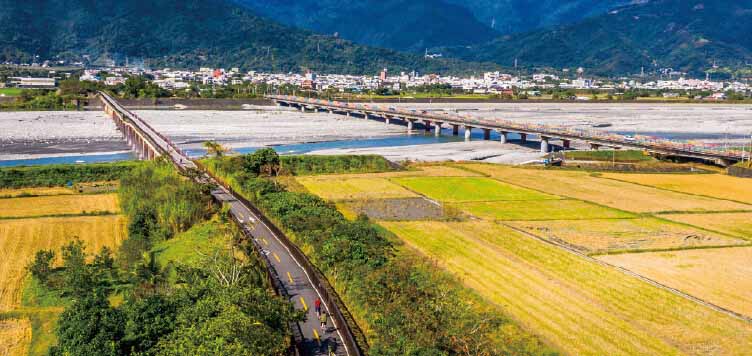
[(293, 280)]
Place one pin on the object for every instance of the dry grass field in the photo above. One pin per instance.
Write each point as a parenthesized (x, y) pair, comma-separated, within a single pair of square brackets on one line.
[(354, 188), (721, 276), (10, 193), (417, 170), (540, 210), (713, 185), (21, 238), (15, 337), (577, 305), (465, 189), (604, 236), (609, 192), (58, 205), (736, 224)]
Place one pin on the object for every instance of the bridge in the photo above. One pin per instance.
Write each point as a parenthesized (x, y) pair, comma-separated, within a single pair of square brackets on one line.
[(545, 133), (289, 270)]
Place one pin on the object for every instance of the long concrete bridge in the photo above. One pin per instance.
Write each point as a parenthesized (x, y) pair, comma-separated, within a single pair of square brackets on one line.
[(289, 270), (545, 133)]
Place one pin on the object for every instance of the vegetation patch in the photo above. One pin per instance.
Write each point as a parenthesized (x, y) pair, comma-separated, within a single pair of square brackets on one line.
[(63, 174), (464, 189), (577, 305), (613, 155), (610, 236), (719, 276), (59, 205), (541, 210), (398, 209), (620, 195), (307, 164)]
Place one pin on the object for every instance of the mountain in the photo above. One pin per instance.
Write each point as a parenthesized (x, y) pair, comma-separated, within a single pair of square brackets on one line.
[(187, 33), (411, 25), (513, 16), (686, 35)]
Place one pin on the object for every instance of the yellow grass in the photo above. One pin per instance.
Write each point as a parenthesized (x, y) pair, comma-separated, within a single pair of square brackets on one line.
[(737, 224), (21, 238), (714, 185), (35, 191), (601, 236), (354, 188), (58, 204), (579, 306), (721, 276), (616, 194), (15, 337), (540, 210)]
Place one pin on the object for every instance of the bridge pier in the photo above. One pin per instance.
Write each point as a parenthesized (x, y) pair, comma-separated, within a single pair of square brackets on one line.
[(486, 134), (594, 146), (523, 138), (455, 130), (427, 126), (566, 144), (468, 132), (302, 108), (437, 129), (544, 144), (386, 120), (503, 136), (347, 114), (409, 125)]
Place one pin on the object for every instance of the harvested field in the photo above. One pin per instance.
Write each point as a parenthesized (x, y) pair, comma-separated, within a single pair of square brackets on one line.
[(605, 236), (464, 189), (58, 205), (398, 209), (577, 305), (11, 193), (15, 337), (354, 188), (713, 185), (737, 224), (21, 238), (720, 276), (609, 192), (540, 210), (416, 171)]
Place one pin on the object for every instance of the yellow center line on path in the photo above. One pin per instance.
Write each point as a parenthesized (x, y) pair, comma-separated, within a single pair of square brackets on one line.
[(276, 257), (289, 276), (316, 336), (305, 306)]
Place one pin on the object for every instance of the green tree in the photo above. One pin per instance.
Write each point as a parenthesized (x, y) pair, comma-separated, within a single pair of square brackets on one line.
[(77, 276), (90, 327), (41, 266)]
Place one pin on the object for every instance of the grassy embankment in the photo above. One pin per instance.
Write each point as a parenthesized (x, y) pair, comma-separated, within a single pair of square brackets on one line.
[(575, 303)]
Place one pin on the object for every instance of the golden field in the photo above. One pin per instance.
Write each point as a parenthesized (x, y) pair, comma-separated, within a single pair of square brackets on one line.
[(720, 276), (713, 185), (577, 305), (736, 224), (20, 239), (58, 205), (620, 195), (354, 188), (418, 170), (35, 191), (15, 337), (540, 210), (603, 236)]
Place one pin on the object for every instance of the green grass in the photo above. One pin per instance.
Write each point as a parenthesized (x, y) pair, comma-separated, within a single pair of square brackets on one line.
[(10, 91), (541, 210), (462, 189), (37, 295), (187, 247), (618, 155)]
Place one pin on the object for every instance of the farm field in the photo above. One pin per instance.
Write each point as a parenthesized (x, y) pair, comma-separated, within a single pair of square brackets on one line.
[(608, 236), (736, 224), (577, 305), (11, 193), (540, 210), (714, 185), (15, 337), (621, 195), (58, 205), (720, 276), (354, 188), (21, 238), (466, 189), (420, 170)]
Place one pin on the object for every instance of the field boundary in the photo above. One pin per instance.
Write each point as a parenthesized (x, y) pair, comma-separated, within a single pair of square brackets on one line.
[(655, 283)]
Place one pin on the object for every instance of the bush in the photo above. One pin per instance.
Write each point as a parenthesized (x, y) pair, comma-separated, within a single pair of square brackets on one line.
[(62, 174)]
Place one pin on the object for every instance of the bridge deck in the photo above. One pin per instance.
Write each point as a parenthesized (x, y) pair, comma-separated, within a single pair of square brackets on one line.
[(293, 280)]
